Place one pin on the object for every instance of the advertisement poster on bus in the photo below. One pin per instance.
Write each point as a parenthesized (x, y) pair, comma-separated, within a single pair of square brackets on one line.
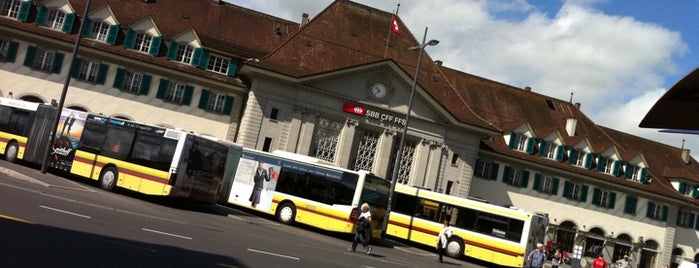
[(68, 135), (255, 181), (203, 162)]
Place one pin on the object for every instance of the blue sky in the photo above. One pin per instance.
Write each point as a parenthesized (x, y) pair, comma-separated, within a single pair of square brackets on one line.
[(616, 57)]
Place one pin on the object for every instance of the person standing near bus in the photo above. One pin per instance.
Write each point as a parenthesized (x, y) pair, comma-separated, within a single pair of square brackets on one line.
[(600, 262), (363, 234), (259, 179), (443, 239), (536, 257)]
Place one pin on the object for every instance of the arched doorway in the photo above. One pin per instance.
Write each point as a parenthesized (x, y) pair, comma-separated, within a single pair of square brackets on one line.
[(677, 257), (31, 98), (564, 236), (594, 242), (77, 108), (649, 253), (623, 245)]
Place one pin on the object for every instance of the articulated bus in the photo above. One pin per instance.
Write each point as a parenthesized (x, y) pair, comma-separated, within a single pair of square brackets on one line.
[(491, 233), (149, 159), (303, 189), (16, 118)]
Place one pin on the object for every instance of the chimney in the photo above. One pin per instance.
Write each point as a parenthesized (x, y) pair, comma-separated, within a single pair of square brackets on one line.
[(685, 156), (527, 89), (571, 123), (577, 105), (304, 19), (438, 62)]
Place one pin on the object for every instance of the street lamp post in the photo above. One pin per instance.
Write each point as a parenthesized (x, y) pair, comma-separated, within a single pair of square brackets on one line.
[(399, 153)]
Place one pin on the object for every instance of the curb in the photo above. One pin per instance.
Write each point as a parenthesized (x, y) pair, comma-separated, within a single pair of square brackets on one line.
[(17, 175)]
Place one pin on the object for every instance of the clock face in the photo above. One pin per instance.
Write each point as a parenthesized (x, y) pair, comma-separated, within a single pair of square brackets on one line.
[(379, 90)]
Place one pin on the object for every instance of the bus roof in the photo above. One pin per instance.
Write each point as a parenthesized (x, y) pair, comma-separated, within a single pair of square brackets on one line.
[(26, 105)]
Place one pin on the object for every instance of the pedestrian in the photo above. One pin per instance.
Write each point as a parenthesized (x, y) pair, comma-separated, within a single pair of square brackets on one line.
[(623, 262), (600, 262), (536, 257), (557, 258), (443, 238), (363, 228)]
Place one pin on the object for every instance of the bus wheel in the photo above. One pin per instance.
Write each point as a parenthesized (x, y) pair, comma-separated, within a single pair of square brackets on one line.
[(108, 178), (286, 213), (455, 247), (11, 152)]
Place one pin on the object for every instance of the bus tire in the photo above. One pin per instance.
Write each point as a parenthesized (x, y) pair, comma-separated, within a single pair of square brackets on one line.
[(286, 213), (108, 178), (455, 247), (11, 152)]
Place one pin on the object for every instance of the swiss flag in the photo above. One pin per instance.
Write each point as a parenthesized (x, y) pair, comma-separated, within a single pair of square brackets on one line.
[(354, 109), (394, 25)]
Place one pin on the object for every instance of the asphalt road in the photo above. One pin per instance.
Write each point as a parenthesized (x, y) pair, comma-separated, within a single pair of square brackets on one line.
[(50, 221)]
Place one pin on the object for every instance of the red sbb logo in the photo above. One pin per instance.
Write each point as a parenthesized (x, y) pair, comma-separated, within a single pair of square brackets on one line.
[(354, 109)]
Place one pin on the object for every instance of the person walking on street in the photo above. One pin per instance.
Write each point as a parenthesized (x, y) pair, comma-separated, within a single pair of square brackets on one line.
[(600, 262), (363, 226), (443, 238), (536, 257)]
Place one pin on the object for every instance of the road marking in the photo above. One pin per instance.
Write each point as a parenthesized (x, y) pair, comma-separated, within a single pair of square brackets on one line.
[(416, 252), (164, 233), (274, 254), (66, 212), (15, 219), (254, 221)]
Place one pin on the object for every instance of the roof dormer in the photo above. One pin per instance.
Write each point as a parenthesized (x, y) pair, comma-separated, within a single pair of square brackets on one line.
[(685, 188), (144, 37), (609, 162), (186, 48), (56, 15), (636, 170), (521, 139), (580, 155), (101, 25), (552, 146)]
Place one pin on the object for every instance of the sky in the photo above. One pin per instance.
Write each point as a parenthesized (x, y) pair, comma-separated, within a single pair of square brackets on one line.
[(617, 58)]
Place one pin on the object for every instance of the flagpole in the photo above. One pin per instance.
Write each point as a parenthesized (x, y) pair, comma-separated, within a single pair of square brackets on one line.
[(388, 37)]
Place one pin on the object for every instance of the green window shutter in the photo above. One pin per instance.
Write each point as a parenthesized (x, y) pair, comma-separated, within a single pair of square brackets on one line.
[(665, 210), (630, 205), (188, 92), (524, 182), (695, 192), (691, 219), (513, 139), (155, 45), (627, 171), (560, 153), (530, 145), (102, 74), (204, 99), (583, 193), (24, 9), (75, 68), (197, 57), (596, 196), (612, 200), (589, 158), (172, 50), (57, 63), (616, 168), (601, 161), (145, 85), (696, 225), (542, 148), (494, 169), (162, 89), (649, 211), (567, 189), (119, 78), (537, 181), (68, 23), (479, 166), (232, 68), (571, 156), (112, 34), (12, 48), (129, 39), (41, 15), (678, 221), (554, 186), (683, 187), (87, 27), (29, 56), (507, 176), (228, 105), (644, 175)]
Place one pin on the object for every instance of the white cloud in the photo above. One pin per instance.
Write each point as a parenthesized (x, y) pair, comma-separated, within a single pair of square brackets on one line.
[(615, 65)]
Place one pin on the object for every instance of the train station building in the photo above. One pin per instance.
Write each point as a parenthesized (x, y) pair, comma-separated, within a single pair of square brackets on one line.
[(337, 87)]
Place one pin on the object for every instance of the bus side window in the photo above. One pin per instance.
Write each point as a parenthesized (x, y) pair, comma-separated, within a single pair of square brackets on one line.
[(118, 143), (92, 138)]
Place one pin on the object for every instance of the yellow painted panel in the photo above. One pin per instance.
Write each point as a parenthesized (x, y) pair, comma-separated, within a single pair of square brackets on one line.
[(152, 188)]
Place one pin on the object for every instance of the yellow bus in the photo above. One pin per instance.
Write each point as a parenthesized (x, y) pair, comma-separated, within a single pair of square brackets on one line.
[(16, 118), (491, 233), (303, 189)]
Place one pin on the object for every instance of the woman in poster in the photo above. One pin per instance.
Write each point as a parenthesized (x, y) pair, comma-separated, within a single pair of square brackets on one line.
[(258, 183)]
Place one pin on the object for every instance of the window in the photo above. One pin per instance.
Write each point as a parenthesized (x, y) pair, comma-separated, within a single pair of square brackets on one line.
[(551, 150), (685, 219), (267, 144), (574, 191), (215, 102), (603, 198), (546, 184), (521, 142), (274, 114), (184, 54), (657, 211), (103, 31), (454, 159), (405, 161), (516, 177), (607, 165), (688, 190), (152, 151), (364, 149), (15, 121), (218, 64), (175, 92), (635, 173), (8, 51), (99, 31), (55, 19), (325, 139), (90, 71), (132, 82), (16, 9), (486, 170), (142, 41), (630, 205), (43, 60)]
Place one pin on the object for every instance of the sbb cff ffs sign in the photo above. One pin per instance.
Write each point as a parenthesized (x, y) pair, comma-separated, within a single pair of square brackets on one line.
[(364, 112)]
